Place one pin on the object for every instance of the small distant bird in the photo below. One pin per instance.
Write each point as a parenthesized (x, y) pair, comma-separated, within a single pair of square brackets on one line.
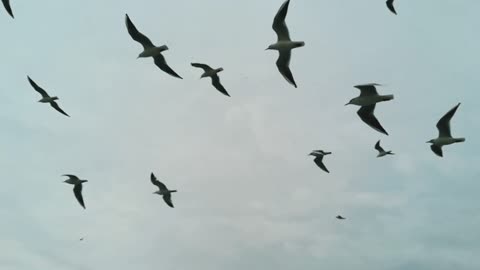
[(81, 239), (319, 154), (380, 150), (77, 187), (391, 7), (367, 100), (6, 4), (212, 73), (162, 190), (340, 217), (444, 133), (150, 50), (46, 98), (284, 44)]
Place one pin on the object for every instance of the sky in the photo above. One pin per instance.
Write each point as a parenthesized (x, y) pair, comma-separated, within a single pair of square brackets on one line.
[(249, 196)]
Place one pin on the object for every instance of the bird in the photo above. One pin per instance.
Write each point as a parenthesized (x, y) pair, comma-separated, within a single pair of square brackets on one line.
[(319, 154), (150, 50), (81, 239), (340, 217), (46, 98), (367, 100), (77, 187), (391, 7), (380, 150), (212, 73), (162, 190), (6, 4), (284, 44), (444, 133)]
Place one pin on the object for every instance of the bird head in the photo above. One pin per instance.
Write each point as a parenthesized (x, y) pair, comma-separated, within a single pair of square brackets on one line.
[(269, 48), (431, 141), (350, 102), (163, 48)]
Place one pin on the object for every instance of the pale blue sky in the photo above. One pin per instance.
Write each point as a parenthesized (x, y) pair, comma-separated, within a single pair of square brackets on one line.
[(249, 197)]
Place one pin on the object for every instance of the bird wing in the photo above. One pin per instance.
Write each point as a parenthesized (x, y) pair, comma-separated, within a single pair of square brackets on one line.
[(6, 4), (437, 150), (77, 190), (71, 176), (279, 25), (378, 147), (443, 124), (202, 66), (168, 199), (38, 88), (157, 183), (55, 105), (367, 116), (391, 7), (218, 85), (162, 64), (367, 89), (136, 35), (318, 161), (283, 65)]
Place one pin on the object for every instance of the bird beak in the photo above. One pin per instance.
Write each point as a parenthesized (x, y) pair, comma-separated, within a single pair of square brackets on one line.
[(347, 104)]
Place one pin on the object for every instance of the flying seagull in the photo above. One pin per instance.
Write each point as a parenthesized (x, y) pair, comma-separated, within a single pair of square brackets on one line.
[(380, 150), (46, 98), (340, 217), (162, 190), (391, 7), (212, 73), (319, 154), (284, 44), (6, 4), (77, 187), (367, 100), (444, 133), (150, 50)]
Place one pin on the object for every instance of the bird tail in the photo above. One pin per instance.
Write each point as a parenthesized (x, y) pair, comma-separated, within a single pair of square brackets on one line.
[(390, 153), (387, 97), (298, 44), (460, 140), (171, 191)]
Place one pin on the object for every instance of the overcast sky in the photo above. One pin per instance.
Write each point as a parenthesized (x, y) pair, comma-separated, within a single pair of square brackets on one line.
[(248, 196)]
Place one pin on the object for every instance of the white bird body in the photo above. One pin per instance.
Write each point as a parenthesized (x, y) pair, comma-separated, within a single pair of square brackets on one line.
[(47, 99), (382, 154), (164, 192), (286, 45), (152, 51), (370, 100), (446, 141), (211, 73)]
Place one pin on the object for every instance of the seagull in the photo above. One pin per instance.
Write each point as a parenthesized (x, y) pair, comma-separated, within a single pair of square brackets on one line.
[(46, 98), (367, 100), (212, 73), (444, 133), (318, 154), (162, 190), (150, 50), (391, 7), (284, 44), (380, 150), (6, 4), (340, 217), (77, 188)]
